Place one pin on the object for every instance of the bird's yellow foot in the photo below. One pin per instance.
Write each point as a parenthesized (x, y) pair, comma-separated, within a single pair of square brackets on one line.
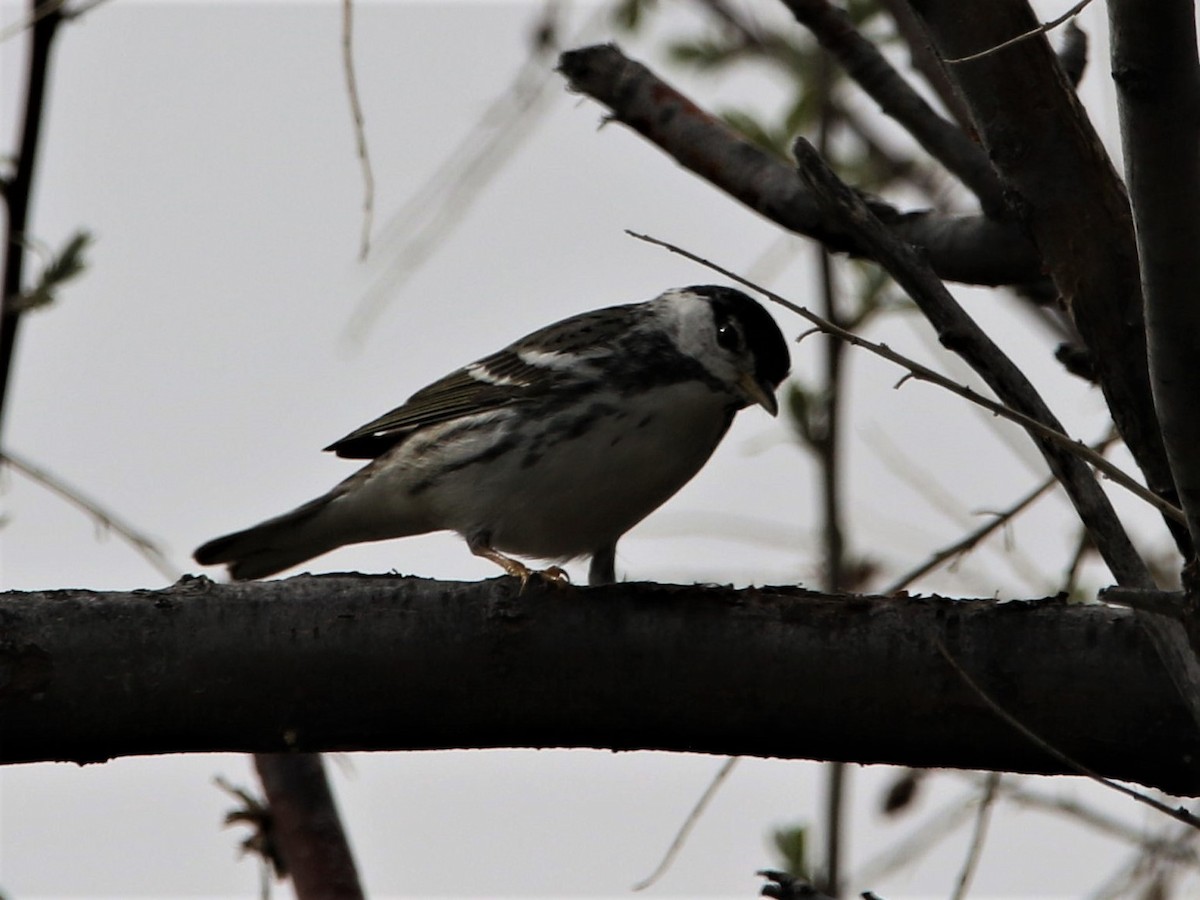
[(554, 575)]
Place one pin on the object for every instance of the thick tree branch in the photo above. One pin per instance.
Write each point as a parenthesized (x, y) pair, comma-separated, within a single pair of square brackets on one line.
[(1157, 73), (972, 249), (358, 662)]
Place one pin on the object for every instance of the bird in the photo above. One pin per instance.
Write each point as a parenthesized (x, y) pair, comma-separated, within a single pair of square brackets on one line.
[(551, 448)]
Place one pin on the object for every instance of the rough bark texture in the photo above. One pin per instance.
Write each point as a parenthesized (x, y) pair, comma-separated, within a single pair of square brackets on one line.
[(359, 662)]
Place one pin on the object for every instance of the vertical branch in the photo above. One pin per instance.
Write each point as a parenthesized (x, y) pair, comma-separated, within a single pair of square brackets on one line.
[(306, 826), (18, 189), (1157, 74), (828, 446), (311, 835)]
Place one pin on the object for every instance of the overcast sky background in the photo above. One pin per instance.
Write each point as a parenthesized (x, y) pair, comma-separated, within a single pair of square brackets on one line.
[(189, 379)]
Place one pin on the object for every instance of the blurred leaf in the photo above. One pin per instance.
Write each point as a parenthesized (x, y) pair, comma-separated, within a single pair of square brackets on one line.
[(900, 795), (862, 11), (802, 113), (799, 404), (706, 53), (67, 264), (628, 15), (790, 843), (774, 142)]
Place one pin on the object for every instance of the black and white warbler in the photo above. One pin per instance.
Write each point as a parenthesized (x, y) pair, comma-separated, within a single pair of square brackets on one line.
[(551, 448)]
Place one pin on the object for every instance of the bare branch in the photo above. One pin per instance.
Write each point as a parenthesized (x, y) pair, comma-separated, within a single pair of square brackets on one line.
[(971, 249), (863, 61), (417, 229), (1062, 183), (1017, 792), (917, 841), (958, 332), (983, 813), (693, 817), (970, 540), (18, 189), (306, 828), (360, 130), (91, 675), (1180, 814), (1157, 73), (1044, 28), (147, 547), (920, 372), (1062, 180)]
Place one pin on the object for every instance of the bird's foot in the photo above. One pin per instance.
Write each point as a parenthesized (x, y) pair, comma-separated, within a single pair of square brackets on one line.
[(514, 567)]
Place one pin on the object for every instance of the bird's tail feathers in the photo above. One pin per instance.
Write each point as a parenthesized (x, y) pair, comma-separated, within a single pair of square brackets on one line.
[(273, 545)]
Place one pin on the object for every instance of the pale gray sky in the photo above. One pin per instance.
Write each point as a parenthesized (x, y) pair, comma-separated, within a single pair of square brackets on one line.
[(190, 378)]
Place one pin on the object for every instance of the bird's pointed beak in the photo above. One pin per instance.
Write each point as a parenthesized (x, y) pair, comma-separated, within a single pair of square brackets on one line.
[(761, 394)]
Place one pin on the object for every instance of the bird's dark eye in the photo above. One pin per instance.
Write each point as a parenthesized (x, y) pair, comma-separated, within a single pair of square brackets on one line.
[(729, 336)]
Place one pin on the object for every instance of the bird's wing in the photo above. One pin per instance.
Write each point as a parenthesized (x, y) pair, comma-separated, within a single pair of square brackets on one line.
[(543, 361)]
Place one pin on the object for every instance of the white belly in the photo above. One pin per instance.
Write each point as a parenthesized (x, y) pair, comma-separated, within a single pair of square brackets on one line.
[(562, 492)]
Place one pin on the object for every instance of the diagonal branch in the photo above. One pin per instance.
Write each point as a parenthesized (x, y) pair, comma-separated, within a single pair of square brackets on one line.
[(1068, 197), (863, 62), (958, 332), (147, 547), (919, 372), (972, 249)]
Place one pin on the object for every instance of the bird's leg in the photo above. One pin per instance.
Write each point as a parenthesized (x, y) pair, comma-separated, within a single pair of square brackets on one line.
[(603, 569), (480, 545)]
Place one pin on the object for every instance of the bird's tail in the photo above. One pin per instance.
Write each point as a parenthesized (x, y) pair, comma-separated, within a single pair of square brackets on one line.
[(274, 545)]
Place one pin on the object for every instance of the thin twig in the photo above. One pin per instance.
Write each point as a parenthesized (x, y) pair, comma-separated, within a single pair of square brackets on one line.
[(916, 842), (18, 187), (970, 540), (1032, 33), (40, 12), (973, 538), (1122, 883), (689, 824), (419, 227), (360, 131), (1013, 792), (146, 547), (978, 836), (827, 434), (1178, 813), (924, 373)]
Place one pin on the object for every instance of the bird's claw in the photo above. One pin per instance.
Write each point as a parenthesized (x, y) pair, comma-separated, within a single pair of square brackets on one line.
[(517, 569)]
